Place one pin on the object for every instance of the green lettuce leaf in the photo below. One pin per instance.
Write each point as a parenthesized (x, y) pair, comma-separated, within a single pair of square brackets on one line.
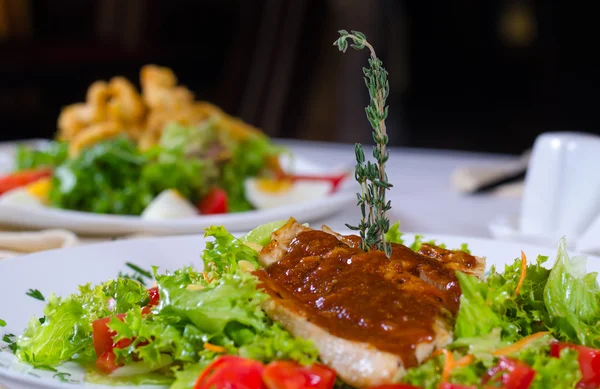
[(572, 298), (224, 253), (191, 140), (249, 157), (394, 235), (67, 329), (52, 155), (127, 178), (262, 234), (192, 311)]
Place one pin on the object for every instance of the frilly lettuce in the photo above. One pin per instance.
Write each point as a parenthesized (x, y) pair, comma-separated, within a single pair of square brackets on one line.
[(220, 306), (67, 328)]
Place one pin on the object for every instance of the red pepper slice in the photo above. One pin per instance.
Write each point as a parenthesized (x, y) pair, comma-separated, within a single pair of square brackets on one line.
[(22, 178), (589, 363)]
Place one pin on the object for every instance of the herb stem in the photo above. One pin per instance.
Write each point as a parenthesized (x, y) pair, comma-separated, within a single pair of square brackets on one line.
[(372, 177)]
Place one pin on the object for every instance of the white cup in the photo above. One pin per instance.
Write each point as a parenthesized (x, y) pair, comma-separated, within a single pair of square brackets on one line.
[(562, 185)]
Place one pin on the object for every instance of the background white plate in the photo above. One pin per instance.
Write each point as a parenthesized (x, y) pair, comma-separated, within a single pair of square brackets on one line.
[(114, 225), (61, 271)]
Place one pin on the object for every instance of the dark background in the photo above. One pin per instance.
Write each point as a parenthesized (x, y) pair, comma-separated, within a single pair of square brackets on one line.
[(464, 74)]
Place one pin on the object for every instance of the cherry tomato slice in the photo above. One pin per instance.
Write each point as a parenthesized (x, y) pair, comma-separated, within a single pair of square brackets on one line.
[(107, 362), (231, 372), (513, 374), (214, 202), (22, 178), (102, 335), (291, 375), (589, 363), (154, 296)]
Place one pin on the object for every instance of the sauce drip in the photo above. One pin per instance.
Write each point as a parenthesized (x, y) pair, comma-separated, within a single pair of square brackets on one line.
[(390, 303)]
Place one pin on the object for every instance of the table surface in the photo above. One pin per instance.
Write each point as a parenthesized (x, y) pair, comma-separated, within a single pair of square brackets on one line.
[(423, 199)]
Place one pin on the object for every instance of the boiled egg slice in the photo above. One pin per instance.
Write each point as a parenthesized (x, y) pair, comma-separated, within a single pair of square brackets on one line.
[(21, 197), (265, 193), (169, 204)]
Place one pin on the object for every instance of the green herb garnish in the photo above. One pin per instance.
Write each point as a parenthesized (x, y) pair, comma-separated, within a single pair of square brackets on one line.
[(138, 273), (2, 323), (9, 339), (371, 176), (36, 294), (62, 376)]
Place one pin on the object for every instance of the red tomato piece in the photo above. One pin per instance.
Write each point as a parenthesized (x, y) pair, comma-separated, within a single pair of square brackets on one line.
[(589, 363), (403, 386), (231, 372), (22, 178), (513, 374), (214, 202), (154, 296), (154, 299), (291, 375), (107, 362), (102, 336)]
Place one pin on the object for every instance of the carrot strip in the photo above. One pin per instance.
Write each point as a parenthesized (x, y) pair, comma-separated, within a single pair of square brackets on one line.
[(448, 365), (523, 273), (521, 344), (214, 348), (464, 361), (206, 277)]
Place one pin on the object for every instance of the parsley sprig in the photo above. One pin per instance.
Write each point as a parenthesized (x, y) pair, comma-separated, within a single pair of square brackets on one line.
[(371, 176), (36, 294), (138, 274)]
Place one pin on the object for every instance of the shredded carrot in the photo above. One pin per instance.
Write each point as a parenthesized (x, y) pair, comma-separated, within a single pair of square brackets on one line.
[(523, 273), (435, 354), (206, 277), (448, 365), (464, 361), (521, 344), (214, 348)]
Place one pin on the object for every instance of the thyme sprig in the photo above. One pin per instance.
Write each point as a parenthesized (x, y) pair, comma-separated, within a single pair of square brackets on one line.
[(371, 176)]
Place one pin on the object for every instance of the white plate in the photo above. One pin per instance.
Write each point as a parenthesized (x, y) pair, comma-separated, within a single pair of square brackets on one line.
[(61, 271), (103, 224)]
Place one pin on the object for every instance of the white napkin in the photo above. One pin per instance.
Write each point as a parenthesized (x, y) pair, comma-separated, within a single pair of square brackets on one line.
[(18, 243), (466, 179)]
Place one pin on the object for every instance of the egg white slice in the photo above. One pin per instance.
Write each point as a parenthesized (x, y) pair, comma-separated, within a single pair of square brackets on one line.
[(169, 204), (20, 197), (264, 193)]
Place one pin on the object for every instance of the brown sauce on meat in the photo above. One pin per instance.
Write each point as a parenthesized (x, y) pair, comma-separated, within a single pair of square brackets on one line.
[(366, 297)]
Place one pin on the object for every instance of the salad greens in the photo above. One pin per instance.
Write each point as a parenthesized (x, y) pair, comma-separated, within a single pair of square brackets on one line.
[(191, 160), (559, 303), (199, 314), (202, 314), (52, 155), (248, 158), (127, 179)]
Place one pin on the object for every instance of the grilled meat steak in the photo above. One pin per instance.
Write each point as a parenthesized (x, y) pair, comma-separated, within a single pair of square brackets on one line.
[(370, 317)]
